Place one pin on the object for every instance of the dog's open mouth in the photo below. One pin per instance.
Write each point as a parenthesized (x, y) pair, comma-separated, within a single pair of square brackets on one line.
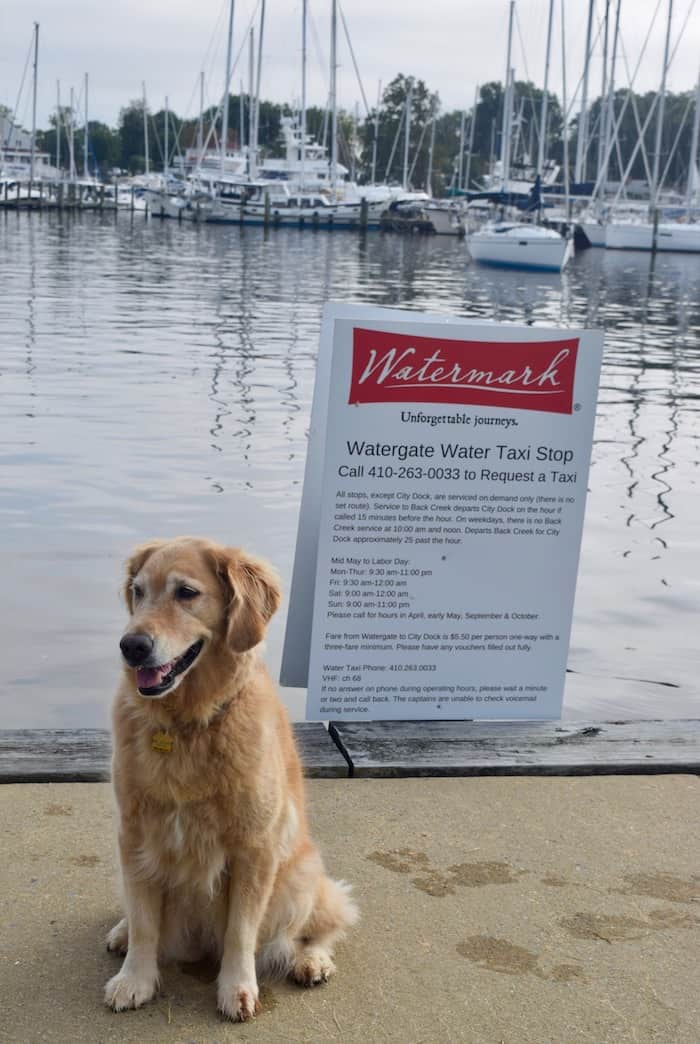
[(154, 681)]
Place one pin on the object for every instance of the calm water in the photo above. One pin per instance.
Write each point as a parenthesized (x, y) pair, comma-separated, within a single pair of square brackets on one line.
[(157, 379)]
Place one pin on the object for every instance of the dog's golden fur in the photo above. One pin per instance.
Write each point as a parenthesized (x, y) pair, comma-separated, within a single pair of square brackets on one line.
[(214, 845)]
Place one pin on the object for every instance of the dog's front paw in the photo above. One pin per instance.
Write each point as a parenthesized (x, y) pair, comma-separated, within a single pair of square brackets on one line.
[(128, 989), (238, 1003)]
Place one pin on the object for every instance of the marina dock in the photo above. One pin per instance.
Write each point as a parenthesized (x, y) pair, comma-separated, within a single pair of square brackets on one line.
[(46, 195)]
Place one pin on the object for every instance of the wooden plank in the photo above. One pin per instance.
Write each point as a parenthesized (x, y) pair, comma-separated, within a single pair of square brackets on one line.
[(480, 748), (54, 756), (320, 755), (83, 755)]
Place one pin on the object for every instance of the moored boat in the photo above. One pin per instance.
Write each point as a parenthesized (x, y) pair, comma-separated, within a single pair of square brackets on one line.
[(520, 245), (670, 236), (594, 231), (283, 205), (445, 218)]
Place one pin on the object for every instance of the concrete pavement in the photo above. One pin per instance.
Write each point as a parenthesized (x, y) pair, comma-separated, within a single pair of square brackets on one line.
[(494, 911)]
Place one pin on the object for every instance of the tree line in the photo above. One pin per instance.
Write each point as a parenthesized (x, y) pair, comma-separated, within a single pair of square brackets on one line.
[(438, 145)]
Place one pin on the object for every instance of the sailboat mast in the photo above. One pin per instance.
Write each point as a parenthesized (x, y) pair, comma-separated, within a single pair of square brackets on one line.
[(36, 66), (505, 125), (507, 144), (653, 195), (167, 142), (565, 127), (353, 143), (229, 47), (334, 94), (58, 125), (582, 134), (543, 115), (145, 131), (303, 90), (431, 150), (472, 128), (376, 133), (603, 109), (254, 154), (693, 157), (200, 125), (251, 87), (71, 138), (460, 164), (86, 170), (610, 105), (407, 133)]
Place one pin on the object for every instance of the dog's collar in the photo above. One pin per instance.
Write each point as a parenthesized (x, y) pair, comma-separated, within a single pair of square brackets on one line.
[(163, 740)]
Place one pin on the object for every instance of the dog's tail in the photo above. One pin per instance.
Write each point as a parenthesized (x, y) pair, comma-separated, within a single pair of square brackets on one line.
[(325, 921), (334, 911)]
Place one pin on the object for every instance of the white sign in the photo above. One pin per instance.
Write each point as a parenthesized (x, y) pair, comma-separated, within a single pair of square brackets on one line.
[(440, 530)]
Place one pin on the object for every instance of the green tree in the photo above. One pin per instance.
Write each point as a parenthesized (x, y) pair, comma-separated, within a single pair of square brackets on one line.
[(157, 134), (391, 130), (124, 146), (676, 131), (103, 144), (47, 140), (132, 138), (104, 147), (527, 109)]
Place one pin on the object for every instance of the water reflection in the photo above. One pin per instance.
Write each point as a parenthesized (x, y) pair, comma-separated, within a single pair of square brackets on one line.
[(157, 379)]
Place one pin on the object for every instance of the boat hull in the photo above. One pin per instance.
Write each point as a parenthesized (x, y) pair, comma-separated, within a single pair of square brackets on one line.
[(445, 221), (670, 238), (339, 216), (594, 232), (535, 254), (627, 236)]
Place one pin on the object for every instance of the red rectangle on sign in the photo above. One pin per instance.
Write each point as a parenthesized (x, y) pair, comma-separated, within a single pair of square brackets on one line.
[(517, 375)]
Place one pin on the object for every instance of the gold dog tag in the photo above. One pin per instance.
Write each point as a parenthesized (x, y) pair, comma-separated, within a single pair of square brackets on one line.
[(162, 742)]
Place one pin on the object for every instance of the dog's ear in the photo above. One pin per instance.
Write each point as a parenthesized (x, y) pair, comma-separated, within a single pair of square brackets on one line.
[(134, 565), (253, 592)]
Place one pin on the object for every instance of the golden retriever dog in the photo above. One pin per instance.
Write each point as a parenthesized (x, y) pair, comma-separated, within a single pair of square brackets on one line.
[(214, 846)]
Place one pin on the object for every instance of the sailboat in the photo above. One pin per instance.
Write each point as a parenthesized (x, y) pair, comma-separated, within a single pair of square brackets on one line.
[(513, 244), (520, 245), (644, 235), (303, 189), (654, 234)]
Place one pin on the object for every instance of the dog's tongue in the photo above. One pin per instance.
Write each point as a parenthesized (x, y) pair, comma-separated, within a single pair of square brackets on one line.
[(151, 677)]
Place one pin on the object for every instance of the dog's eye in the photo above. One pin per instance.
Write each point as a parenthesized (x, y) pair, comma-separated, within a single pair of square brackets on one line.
[(186, 593), (137, 592)]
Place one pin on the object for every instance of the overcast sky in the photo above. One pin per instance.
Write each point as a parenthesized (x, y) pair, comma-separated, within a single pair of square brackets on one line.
[(451, 45)]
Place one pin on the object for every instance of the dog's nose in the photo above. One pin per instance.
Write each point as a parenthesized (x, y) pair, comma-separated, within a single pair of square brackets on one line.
[(136, 648)]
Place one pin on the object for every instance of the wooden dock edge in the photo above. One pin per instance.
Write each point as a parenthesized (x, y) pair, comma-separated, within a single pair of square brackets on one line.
[(390, 749), (376, 749), (84, 755)]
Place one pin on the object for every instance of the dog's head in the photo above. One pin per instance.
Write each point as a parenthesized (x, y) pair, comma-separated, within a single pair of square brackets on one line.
[(188, 600)]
